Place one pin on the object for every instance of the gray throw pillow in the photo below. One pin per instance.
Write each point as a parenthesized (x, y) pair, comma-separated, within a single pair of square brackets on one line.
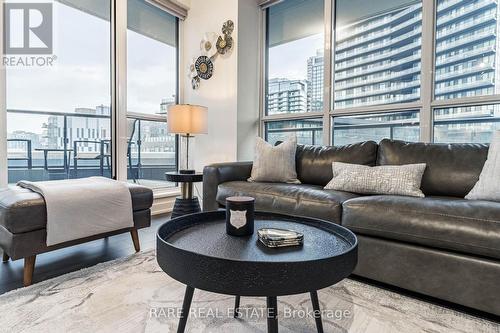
[(385, 179), (274, 163), (488, 185)]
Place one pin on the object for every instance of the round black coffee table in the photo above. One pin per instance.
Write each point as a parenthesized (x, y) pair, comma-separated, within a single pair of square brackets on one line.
[(195, 250)]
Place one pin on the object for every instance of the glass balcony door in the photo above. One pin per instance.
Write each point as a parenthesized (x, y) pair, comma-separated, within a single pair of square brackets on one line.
[(59, 116), (151, 88)]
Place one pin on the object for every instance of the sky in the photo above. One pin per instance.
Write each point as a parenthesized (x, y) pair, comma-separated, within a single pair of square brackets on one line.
[(281, 65), (81, 73)]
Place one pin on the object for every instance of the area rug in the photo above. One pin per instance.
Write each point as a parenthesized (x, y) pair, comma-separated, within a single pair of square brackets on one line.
[(134, 295)]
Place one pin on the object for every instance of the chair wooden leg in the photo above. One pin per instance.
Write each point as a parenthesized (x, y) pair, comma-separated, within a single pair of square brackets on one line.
[(29, 267), (5, 257), (135, 239)]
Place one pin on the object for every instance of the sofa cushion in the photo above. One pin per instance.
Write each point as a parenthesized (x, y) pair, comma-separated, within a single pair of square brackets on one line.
[(274, 163), (314, 163), (471, 227), (452, 169), (22, 210), (382, 179), (293, 199)]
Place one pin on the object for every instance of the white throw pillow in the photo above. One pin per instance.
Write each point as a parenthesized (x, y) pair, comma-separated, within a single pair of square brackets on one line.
[(274, 163), (488, 185), (385, 179)]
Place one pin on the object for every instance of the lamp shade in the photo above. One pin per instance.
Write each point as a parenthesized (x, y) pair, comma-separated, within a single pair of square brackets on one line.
[(187, 119)]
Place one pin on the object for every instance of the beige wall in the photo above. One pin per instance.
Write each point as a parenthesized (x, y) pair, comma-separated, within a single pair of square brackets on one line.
[(231, 95)]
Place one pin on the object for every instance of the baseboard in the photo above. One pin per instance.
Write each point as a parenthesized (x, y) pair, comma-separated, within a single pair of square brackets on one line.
[(162, 205)]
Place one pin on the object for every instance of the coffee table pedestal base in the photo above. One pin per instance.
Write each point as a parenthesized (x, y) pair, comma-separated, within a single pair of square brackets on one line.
[(185, 206)]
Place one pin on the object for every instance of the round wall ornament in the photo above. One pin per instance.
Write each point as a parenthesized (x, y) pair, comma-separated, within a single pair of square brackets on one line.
[(224, 44), (204, 67), (228, 27), (195, 82), (211, 46)]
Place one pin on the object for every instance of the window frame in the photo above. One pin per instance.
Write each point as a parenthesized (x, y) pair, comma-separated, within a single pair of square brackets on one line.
[(425, 105), (118, 105)]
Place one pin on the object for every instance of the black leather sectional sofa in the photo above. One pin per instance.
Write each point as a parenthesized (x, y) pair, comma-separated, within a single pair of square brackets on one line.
[(442, 245)]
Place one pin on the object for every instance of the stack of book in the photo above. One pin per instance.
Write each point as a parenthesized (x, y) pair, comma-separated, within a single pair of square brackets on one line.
[(271, 237)]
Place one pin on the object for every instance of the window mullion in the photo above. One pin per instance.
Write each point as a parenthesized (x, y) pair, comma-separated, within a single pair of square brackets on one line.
[(427, 69), (3, 115), (327, 71), (119, 88)]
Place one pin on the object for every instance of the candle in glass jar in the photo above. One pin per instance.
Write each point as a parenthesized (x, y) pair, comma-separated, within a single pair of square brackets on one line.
[(240, 215)]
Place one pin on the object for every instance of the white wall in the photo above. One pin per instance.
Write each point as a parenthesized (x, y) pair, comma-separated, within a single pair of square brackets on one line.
[(231, 95)]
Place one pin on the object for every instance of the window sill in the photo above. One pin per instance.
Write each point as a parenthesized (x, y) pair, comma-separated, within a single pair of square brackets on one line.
[(162, 193)]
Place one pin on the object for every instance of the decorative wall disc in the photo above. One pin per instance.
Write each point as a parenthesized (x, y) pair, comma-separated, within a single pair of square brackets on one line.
[(224, 44), (204, 67), (228, 27), (210, 46), (207, 44), (195, 82)]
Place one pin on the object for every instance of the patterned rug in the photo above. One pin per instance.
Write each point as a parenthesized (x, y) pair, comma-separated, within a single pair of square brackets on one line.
[(134, 295)]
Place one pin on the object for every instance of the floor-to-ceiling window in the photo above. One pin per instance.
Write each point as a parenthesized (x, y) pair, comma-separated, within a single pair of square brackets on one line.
[(467, 56), (59, 106), (294, 79), (376, 62), (151, 87), (58, 115), (414, 70)]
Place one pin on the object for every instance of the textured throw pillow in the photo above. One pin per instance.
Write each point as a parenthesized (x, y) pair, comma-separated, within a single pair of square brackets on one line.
[(275, 163), (488, 185), (386, 179)]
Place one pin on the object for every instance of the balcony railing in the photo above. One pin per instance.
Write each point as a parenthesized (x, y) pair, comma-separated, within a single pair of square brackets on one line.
[(465, 10), (379, 34), (371, 79), (341, 65), (350, 32), (66, 149), (359, 71), (305, 135)]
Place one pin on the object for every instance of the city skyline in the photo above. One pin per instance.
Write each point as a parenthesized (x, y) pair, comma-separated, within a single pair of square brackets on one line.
[(378, 61), (80, 77)]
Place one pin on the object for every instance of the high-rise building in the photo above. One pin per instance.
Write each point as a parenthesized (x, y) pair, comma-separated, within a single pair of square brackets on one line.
[(377, 59), (165, 102), (467, 38), (287, 96), (78, 129), (315, 81)]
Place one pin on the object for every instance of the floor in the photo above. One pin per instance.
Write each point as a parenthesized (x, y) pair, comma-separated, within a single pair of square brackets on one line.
[(133, 294), (52, 264), (56, 263)]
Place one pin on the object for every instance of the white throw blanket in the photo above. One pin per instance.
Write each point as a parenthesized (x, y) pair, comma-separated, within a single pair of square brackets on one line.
[(78, 208)]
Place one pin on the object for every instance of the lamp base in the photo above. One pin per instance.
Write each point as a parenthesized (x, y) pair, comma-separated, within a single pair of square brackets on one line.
[(187, 172)]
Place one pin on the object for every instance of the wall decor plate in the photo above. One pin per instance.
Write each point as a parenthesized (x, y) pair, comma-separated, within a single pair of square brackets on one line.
[(228, 27), (204, 67), (211, 45), (195, 82), (207, 44), (224, 44)]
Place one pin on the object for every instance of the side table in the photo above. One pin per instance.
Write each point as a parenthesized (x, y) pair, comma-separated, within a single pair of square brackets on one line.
[(186, 203)]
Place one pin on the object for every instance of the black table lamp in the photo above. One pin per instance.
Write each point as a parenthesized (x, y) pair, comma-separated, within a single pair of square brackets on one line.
[(186, 120)]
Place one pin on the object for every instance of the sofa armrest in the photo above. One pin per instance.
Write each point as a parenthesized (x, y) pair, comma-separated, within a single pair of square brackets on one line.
[(219, 173)]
